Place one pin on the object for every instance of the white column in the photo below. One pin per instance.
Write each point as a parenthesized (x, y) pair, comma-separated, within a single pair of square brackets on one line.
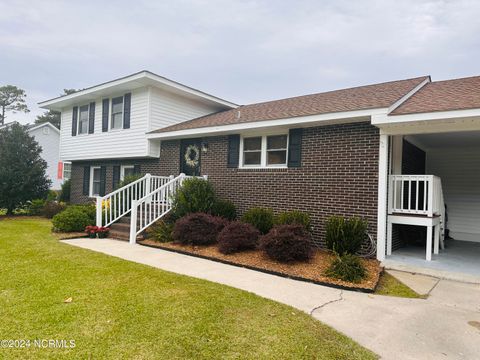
[(133, 223), (429, 243), (382, 196), (389, 237), (436, 243), (99, 211)]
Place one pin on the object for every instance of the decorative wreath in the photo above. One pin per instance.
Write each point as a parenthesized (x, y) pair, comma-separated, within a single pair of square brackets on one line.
[(192, 155)]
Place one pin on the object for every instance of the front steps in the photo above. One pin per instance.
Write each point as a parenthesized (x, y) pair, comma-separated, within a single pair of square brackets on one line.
[(121, 230)]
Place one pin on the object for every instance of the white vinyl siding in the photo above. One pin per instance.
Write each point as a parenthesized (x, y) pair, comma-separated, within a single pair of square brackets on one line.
[(168, 109), (459, 170), (124, 143)]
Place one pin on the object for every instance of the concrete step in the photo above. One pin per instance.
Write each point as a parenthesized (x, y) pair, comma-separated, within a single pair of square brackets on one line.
[(120, 227)]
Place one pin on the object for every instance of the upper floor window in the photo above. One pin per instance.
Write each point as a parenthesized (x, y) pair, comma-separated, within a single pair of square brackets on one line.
[(117, 113), (264, 151), (83, 119)]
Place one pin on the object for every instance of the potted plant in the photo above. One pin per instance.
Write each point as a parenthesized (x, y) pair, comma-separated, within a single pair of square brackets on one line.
[(102, 232), (91, 231)]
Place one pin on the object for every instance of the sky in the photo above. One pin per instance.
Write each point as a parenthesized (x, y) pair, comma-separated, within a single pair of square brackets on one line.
[(242, 51)]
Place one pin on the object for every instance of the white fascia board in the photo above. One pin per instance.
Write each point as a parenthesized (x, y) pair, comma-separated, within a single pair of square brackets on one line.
[(45, 124), (384, 119), (143, 78), (300, 121), (409, 94)]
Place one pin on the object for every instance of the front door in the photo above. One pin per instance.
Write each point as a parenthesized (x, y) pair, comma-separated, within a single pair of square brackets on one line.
[(190, 153)]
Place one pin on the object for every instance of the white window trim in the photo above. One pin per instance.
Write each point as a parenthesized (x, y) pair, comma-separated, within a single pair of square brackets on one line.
[(122, 170), (263, 156), (63, 170), (110, 121), (88, 120), (91, 194)]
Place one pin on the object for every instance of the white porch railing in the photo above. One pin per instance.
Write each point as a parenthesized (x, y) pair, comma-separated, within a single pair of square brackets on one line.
[(415, 194), (118, 203), (153, 206)]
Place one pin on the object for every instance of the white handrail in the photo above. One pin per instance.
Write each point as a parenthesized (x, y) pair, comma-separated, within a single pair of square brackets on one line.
[(155, 205), (118, 203)]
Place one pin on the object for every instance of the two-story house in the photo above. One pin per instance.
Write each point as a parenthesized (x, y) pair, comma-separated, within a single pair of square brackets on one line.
[(400, 154)]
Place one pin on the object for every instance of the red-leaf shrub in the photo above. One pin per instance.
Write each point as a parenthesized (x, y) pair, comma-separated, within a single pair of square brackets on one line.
[(236, 237), (286, 243), (198, 229)]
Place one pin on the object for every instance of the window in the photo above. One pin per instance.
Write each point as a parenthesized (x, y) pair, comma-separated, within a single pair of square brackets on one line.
[(252, 151), (126, 170), (95, 180), (277, 150), (117, 113), (67, 171), (264, 151), (83, 120)]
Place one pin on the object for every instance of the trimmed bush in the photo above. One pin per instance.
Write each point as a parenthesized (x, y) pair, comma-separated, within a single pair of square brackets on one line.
[(65, 192), (52, 208), (161, 231), (261, 218), (294, 217), (195, 195), (237, 236), (225, 209), (74, 218), (287, 243), (35, 207), (198, 229), (345, 236), (347, 267)]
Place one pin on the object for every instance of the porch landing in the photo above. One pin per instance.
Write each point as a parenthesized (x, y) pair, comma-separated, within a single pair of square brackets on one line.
[(459, 261)]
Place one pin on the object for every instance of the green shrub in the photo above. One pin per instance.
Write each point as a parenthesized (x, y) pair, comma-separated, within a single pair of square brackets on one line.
[(347, 267), (287, 243), (225, 209), (261, 218), (52, 208), (161, 231), (74, 218), (52, 195), (65, 192), (195, 195), (294, 217), (35, 207), (345, 236)]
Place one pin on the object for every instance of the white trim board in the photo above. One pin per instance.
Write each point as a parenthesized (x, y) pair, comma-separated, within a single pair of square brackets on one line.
[(299, 121)]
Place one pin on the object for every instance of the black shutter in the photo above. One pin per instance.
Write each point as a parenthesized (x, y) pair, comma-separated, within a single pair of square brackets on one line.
[(126, 110), (136, 169), (74, 120), (116, 176), (91, 118), (295, 148), (233, 151), (86, 180), (105, 111), (103, 178)]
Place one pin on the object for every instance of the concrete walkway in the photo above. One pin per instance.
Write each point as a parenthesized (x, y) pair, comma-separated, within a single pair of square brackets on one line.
[(445, 326)]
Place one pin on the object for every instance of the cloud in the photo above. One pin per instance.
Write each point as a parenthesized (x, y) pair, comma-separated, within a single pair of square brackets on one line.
[(245, 51)]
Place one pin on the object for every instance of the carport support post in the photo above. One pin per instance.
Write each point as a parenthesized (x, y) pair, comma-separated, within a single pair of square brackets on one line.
[(382, 196)]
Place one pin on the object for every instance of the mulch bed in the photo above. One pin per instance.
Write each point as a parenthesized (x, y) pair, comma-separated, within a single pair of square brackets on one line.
[(312, 271)]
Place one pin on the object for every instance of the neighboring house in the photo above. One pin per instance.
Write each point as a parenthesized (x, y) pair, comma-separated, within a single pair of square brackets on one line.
[(368, 151), (48, 137)]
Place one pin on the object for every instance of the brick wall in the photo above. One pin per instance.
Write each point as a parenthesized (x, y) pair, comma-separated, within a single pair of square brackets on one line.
[(76, 194), (338, 175)]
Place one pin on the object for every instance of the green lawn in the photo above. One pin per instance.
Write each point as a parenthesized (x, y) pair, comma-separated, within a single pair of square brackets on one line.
[(390, 286), (126, 310)]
